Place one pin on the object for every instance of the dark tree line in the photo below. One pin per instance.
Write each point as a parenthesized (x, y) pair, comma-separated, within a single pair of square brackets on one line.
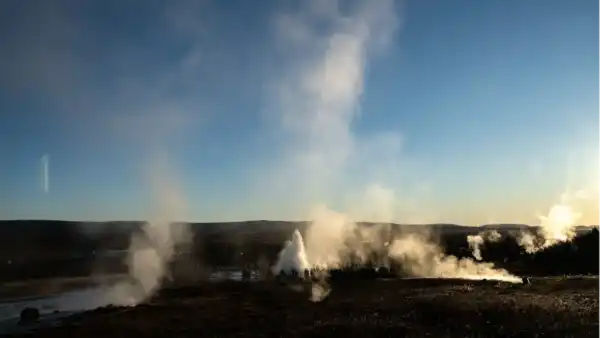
[(61, 249)]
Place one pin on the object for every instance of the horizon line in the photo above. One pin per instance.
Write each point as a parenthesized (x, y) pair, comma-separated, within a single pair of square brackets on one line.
[(284, 221)]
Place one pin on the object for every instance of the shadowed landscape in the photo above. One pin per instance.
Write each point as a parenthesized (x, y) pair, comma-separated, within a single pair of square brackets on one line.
[(52, 249), (439, 160), (359, 300), (411, 308)]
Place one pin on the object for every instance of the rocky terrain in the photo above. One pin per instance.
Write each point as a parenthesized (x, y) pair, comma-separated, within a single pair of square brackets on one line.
[(549, 307)]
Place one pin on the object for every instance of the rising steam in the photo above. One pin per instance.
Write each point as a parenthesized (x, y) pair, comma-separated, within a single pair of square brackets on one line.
[(528, 241), (477, 241), (559, 225), (326, 237), (556, 227), (151, 251), (317, 101), (325, 50)]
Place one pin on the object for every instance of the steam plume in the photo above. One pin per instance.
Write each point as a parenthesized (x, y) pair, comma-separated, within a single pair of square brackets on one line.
[(326, 237), (151, 251), (527, 241), (317, 101), (477, 241), (556, 227), (559, 225), (316, 97)]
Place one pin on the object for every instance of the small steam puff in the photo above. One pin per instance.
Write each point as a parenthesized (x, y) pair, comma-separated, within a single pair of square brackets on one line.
[(477, 241), (527, 241)]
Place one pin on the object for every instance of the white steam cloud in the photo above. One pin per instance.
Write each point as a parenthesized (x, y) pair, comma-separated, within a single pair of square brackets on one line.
[(557, 227), (560, 223), (326, 237), (528, 241), (317, 100)]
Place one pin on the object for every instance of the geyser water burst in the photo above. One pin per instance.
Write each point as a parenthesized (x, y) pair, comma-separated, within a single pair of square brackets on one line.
[(293, 256)]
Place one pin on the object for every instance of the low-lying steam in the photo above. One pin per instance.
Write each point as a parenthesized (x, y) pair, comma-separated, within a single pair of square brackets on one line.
[(420, 257), (416, 254)]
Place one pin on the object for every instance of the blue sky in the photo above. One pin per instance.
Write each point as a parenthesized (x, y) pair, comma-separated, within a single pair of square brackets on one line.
[(457, 111)]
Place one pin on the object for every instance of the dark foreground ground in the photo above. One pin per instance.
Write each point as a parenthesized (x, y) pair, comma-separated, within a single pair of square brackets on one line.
[(399, 308)]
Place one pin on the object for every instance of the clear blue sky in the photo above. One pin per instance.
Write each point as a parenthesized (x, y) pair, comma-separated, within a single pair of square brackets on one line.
[(468, 111)]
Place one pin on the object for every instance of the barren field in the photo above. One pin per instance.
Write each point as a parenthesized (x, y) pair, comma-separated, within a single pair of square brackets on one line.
[(554, 307)]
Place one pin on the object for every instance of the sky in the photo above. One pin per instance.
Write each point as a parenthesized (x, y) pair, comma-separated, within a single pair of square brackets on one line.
[(463, 111)]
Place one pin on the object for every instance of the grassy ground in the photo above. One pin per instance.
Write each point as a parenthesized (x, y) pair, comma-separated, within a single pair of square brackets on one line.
[(400, 308)]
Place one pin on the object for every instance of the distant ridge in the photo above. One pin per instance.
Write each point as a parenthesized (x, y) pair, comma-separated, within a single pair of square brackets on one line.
[(29, 231), (54, 247), (264, 222)]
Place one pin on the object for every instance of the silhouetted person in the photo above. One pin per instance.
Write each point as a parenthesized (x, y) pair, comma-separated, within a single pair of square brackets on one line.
[(246, 274)]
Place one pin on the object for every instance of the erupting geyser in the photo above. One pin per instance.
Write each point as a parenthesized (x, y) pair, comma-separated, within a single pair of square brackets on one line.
[(293, 256)]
